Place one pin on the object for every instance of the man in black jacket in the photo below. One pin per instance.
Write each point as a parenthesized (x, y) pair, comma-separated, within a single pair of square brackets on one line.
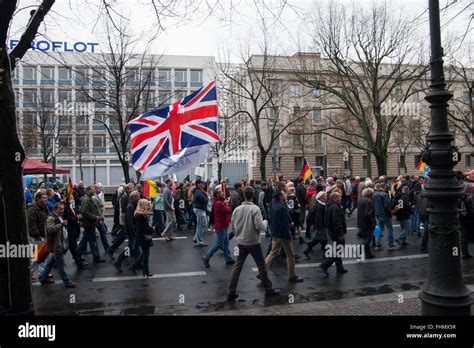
[(402, 209), (132, 249), (337, 228), (281, 236), (235, 196), (200, 200), (366, 219), (122, 204)]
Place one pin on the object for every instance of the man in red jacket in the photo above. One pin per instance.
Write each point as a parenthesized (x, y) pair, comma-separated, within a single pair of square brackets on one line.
[(222, 213)]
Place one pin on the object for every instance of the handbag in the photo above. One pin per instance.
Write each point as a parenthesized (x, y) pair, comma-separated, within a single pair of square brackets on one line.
[(377, 231)]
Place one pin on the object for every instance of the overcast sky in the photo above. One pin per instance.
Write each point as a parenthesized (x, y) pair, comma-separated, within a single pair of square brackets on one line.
[(72, 21)]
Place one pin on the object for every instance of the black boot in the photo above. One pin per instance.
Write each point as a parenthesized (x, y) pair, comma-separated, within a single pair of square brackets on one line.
[(306, 253)]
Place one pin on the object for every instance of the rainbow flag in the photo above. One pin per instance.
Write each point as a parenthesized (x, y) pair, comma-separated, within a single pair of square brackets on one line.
[(423, 167)]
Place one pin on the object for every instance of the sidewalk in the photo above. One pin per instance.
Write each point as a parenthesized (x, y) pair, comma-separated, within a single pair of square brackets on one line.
[(386, 304)]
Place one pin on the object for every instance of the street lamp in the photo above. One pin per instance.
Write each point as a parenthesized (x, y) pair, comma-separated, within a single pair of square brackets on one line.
[(444, 292)]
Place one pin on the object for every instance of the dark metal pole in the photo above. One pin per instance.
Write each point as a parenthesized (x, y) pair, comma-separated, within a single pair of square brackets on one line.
[(444, 292)]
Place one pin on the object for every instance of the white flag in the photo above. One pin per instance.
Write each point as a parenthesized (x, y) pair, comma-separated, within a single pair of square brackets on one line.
[(185, 159)]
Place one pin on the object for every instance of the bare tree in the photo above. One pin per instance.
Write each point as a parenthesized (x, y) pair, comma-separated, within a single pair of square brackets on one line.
[(121, 80), (232, 127), (264, 99), (365, 63), (15, 287), (461, 109)]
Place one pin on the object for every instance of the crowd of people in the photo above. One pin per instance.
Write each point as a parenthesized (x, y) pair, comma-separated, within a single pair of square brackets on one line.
[(285, 211)]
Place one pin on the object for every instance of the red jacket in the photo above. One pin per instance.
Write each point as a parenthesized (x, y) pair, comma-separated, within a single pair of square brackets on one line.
[(221, 214), (309, 194)]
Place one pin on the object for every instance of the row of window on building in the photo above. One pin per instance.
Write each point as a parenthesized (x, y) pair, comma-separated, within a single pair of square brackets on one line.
[(81, 76), (28, 98), (295, 91)]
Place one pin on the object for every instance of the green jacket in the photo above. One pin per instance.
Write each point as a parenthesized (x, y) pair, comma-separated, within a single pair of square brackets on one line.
[(54, 237), (90, 211)]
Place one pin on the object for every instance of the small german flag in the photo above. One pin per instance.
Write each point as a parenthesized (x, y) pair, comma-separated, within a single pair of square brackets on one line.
[(69, 190), (306, 172)]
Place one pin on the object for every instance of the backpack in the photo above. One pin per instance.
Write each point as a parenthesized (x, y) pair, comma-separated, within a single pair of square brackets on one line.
[(353, 190)]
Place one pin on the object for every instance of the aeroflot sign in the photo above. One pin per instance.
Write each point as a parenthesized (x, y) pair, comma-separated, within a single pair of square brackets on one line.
[(58, 46)]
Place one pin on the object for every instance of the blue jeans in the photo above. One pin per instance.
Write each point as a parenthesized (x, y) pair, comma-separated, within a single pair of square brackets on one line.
[(118, 240), (222, 242), (354, 206), (103, 235), (415, 223), (191, 216), (58, 259), (384, 221), (404, 230), (201, 225), (88, 236), (426, 234), (159, 221), (35, 265)]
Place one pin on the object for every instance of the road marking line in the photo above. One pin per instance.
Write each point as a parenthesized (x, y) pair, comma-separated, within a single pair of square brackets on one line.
[(351, 228), (353, 262), (126, 240), (56, 282), (155, 276)]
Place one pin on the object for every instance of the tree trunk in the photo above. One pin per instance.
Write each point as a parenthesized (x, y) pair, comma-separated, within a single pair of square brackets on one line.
[(126, 173), (15, 282), (381, 159), (263, 169), (219, 171), (369, 164)]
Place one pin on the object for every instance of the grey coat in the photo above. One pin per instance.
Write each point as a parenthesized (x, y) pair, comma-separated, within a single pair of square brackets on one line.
[(168, 199)]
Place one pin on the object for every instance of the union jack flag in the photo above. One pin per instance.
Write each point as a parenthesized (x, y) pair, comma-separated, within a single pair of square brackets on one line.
[(188, 122)]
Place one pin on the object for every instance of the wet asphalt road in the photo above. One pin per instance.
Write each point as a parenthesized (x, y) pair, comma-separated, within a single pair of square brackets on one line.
[(182, 285)]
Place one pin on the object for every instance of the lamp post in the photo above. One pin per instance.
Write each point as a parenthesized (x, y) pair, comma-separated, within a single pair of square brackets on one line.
[(444, 292)]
